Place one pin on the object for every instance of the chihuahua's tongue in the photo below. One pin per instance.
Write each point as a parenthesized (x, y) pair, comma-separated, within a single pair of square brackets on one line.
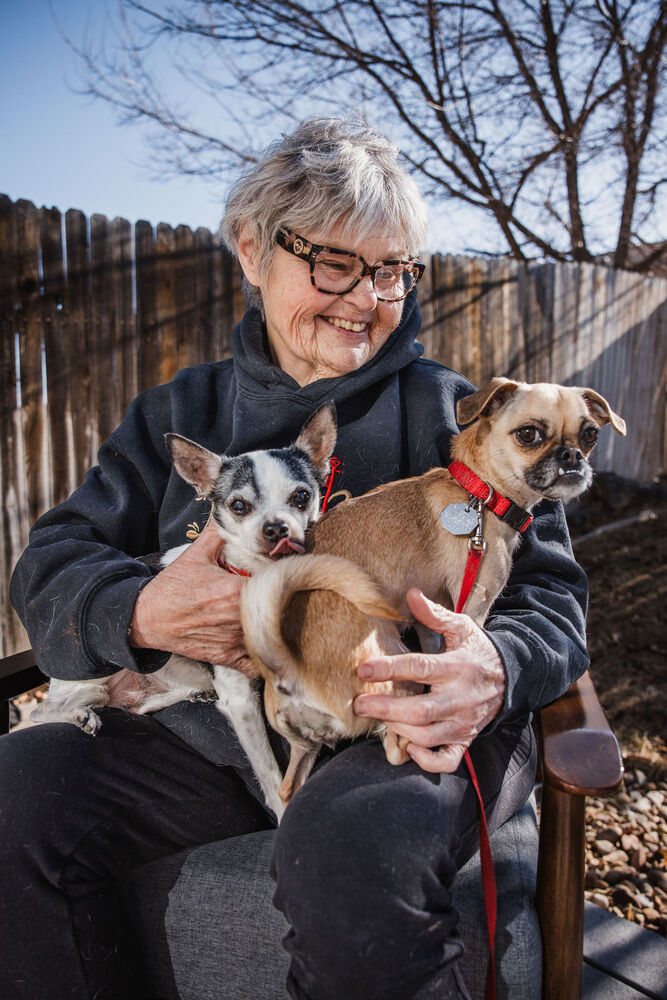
[(285, 546)]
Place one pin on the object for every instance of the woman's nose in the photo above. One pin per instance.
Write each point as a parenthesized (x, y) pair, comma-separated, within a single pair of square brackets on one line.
[(364, 294)]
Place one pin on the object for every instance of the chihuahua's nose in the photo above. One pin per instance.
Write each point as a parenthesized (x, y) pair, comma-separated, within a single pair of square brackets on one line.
[(569, 457), (275, 530)]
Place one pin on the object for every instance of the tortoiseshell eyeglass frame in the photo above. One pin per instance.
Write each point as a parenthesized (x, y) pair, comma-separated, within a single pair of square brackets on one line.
[(305, 250)]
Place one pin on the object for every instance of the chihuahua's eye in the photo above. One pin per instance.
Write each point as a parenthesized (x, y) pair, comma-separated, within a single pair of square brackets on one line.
[(589, 435), (239, 507), (301, 499), (529, 434)]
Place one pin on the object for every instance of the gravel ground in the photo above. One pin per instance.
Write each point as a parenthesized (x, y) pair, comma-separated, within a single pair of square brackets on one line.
[(626, 837), (626, 851)]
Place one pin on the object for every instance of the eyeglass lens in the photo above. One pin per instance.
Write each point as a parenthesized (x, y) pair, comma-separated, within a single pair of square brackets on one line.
[(337, 272)]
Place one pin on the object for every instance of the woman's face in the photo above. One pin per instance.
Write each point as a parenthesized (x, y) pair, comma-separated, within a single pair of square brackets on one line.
[(313, 335)]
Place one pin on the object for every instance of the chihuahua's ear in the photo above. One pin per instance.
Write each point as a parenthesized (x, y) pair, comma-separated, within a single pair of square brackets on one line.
[(197, 466), (485, 401), (318, 437), (601, 411)]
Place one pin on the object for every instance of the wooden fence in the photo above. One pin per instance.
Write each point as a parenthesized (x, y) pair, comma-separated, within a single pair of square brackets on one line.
[(93, 311)]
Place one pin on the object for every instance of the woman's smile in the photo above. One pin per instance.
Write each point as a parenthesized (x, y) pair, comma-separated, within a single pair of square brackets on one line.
[(346, 324)]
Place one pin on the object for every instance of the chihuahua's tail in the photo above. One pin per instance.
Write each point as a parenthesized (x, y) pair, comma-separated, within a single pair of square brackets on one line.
[(265, 598)]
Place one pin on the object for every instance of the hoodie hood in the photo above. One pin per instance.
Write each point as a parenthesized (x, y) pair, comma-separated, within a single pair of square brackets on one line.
[(270, 406)]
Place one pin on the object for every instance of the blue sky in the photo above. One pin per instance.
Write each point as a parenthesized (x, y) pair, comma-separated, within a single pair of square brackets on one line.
[(65, 150)]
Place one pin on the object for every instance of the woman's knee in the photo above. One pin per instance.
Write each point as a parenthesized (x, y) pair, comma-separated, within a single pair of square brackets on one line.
[(36, 799), (50, 793), (364, 827), (31, 761), (362, 863)]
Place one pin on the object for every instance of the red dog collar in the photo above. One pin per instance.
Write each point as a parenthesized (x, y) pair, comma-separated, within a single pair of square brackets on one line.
[(501, 506), (234, 570)]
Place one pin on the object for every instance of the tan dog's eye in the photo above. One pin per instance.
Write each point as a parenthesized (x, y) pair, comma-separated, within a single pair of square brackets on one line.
[(589, 435), (529, 434)]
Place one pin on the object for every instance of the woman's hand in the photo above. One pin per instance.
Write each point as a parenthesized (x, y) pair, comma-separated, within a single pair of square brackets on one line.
[(466, 688), (192, 607)]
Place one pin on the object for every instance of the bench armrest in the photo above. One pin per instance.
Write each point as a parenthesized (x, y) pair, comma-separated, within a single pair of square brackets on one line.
[(580, 754)]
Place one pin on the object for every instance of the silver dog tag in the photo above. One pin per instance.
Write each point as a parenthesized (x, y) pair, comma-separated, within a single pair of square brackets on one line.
[(459, 519)]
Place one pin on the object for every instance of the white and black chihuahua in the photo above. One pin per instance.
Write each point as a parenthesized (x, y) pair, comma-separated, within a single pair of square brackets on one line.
[(262, 502)]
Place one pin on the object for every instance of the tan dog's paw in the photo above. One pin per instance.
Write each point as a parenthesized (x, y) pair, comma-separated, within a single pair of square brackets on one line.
[(394, 747)]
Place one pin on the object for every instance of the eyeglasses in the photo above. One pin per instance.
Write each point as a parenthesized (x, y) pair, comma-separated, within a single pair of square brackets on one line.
[(336, 272)]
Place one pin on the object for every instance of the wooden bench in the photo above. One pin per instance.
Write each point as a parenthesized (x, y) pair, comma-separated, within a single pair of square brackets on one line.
[(579, 756)]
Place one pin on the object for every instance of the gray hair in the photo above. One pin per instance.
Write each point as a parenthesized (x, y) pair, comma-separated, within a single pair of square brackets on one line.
[(329, 172)]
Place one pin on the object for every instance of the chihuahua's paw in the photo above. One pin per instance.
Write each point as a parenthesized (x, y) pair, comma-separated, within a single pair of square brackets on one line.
[(203, 696), (87, 721)]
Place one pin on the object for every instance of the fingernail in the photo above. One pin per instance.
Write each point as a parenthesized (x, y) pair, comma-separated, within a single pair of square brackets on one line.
[(365, 670), (360, 708)]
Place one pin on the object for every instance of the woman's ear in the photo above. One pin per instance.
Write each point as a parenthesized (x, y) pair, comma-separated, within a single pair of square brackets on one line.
[(248, 250)]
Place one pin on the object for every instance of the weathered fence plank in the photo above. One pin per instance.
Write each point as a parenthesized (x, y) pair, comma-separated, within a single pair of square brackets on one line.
[(30, 352), (123, 306), (88, 321), (15, 520), (78, 312), (229, 298), (105, 402), (147, 331), (191, 346), (58, 358), (166, 299), (208, 294)]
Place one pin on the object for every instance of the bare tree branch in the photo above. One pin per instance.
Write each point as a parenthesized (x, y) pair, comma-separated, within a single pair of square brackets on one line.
[(545, 115)]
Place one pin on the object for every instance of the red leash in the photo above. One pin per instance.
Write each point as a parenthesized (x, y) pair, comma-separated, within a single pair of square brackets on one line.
[(488, 882), (482, 495), (469, 576)]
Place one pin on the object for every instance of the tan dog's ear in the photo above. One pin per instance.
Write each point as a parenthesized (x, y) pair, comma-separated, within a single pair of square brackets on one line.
[(601, 411), (197, 465), (318, 437), (488, 399)]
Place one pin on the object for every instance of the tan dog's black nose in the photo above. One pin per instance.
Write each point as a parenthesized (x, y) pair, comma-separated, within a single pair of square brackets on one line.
[(273, 531), (569, 457)]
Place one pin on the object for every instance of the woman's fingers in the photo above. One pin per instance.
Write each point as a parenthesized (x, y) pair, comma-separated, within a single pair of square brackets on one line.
[(192, 607), (465, 688), (442, 760)]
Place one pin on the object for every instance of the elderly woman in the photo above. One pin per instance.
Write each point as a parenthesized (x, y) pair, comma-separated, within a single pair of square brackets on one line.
[(327, 228)]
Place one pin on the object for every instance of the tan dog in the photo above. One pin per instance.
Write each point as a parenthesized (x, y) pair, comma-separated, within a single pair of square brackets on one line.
[(309, 622)]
